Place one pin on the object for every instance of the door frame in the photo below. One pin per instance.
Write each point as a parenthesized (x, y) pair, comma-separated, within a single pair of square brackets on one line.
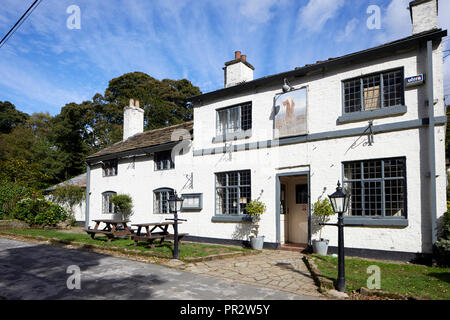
[(278, 203)]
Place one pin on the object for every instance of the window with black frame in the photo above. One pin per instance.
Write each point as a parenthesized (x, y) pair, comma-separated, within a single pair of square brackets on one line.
[(163, 160), (372, 92), (108, 206), (233, 192), (234, 119), (110, 168), (377, 187), (161, 200)]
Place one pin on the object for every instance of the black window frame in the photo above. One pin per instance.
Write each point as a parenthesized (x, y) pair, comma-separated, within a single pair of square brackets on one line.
[(362, 180), (244, 119), (382, 77), (231, 189), (158, 204), (112, 165), (106, 202), (163, 160)]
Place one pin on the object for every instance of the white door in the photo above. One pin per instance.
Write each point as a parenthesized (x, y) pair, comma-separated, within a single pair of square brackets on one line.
[(298, 211)]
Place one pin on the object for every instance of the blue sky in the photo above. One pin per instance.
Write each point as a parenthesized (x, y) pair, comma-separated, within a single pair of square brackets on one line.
[(45, 65)]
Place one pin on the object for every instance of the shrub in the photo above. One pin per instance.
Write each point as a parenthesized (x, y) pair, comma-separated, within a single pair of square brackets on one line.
[(10, 194), (37, 210), (124, 204), (322, 210), (442, 246), (68, 195), (50, 217), (255, 209)]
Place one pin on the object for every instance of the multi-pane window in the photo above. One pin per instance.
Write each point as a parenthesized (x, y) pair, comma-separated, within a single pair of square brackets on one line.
[(163, 160), (110, 168), (108, 206), (234, 119), (233, 192), (161, 200), (374, 92), (377, 187)]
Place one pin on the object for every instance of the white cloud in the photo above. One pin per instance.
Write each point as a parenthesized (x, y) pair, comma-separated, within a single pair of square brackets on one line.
[(316, 13), (395, 22), (348, 34)]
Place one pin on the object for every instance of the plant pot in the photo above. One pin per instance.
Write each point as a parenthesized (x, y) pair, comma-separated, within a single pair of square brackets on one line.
[(320, 246), (257, 243)]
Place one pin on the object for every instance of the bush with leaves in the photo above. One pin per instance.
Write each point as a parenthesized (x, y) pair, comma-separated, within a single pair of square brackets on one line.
[(123, 204), (10, 194), (50, 217), (255, 209), (322, 210), (442, 246), (68, 195), (37, 210)]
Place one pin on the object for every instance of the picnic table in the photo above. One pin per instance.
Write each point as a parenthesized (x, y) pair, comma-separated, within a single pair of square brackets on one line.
[(113, 228), (159, 230)]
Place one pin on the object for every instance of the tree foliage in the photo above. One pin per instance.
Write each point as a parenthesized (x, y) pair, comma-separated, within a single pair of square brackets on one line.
[(42, 150)]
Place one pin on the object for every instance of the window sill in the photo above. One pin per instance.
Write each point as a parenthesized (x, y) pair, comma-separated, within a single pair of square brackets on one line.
[(372, 114), (379, 222), (231, 218), (233, 136)]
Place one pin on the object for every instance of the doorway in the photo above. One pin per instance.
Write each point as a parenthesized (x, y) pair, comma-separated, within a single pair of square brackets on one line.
[(294, 213)]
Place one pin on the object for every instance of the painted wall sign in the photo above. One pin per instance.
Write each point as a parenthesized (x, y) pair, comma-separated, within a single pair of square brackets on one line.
[(415, 80), (290, 114)]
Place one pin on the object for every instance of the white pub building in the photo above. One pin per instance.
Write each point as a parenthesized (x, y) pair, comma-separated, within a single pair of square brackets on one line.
[(373, 120)]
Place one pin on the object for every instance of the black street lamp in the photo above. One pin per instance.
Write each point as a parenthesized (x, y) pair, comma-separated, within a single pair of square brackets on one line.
[(175, 205), (339, 201)]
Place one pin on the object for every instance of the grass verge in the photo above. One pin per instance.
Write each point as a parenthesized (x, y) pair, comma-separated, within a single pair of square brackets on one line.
[(403, 279), (187, 250)]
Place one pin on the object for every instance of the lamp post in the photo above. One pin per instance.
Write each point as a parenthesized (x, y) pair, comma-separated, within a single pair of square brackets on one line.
[(339, 201), (175, 205)]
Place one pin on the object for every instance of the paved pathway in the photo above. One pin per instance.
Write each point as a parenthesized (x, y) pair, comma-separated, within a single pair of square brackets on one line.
[(39, 271), (275, 269)]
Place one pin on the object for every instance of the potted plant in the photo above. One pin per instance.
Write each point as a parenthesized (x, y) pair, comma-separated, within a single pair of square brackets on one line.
[(123, 204), (322, 210), (255, 209)]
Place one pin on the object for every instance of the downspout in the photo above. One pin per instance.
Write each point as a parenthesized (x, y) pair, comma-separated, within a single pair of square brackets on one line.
[(431, 141), (88, 192)]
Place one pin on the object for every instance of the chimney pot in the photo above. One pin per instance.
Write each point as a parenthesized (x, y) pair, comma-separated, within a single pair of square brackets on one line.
[(244, 57), (237, 54)]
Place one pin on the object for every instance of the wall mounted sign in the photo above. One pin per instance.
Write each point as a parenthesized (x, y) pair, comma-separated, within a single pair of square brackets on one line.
[(415, 80), (290, 114)]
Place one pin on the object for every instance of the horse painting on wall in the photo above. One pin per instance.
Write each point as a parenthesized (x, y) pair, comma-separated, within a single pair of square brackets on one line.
[(290, 114)]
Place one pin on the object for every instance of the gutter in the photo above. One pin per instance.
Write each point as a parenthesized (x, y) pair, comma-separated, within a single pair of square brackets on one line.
[(431, 141), (88, 193)]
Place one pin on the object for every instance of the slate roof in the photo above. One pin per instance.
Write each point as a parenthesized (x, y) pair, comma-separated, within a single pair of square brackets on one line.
[(79, 181), (142, 141)]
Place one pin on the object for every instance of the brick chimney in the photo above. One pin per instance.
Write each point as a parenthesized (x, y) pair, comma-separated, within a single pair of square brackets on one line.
[(237, 70), (133, 120), (424, 15)]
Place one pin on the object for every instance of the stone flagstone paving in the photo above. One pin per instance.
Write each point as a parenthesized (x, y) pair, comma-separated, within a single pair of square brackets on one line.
[(276, 269)]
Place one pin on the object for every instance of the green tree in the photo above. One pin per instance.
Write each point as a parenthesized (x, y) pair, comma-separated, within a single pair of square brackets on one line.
[(10, 117)]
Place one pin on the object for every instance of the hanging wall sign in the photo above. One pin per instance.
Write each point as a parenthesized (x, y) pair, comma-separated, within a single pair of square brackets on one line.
[(290, 114), (415, 80)]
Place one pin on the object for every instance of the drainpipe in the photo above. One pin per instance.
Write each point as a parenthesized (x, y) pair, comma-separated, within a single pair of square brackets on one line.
[(431, 141), (88, 192)]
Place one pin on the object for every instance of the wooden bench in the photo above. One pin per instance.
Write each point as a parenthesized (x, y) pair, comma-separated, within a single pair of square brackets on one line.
[(93, 232), (113, 229)]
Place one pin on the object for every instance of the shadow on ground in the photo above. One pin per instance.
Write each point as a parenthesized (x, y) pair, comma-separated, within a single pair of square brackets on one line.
[(33, 271)]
